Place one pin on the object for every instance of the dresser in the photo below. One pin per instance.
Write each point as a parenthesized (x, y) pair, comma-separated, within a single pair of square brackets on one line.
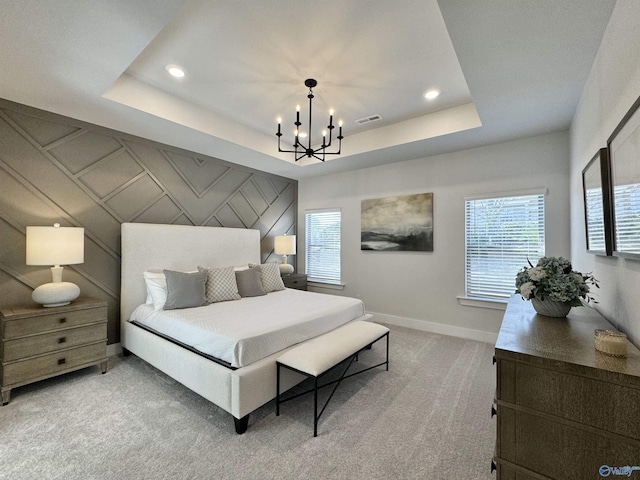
[(38, 342), (295, 280), (564, 410)]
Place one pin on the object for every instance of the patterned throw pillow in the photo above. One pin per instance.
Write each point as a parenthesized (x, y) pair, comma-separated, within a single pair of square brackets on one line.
[(271, 279), (221, 284)]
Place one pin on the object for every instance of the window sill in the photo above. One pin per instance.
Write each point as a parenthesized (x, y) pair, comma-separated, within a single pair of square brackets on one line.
[(330, 286), (491, 303)]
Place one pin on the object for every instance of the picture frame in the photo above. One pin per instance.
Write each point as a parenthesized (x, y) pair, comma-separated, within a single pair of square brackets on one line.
[(596, 188), (398, 223), (623, 148)]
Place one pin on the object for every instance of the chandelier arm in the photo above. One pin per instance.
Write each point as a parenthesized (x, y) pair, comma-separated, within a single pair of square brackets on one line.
[(330, 132)]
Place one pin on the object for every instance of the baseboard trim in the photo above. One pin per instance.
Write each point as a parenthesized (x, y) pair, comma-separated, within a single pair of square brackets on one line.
[(114, 349), (440, 328)]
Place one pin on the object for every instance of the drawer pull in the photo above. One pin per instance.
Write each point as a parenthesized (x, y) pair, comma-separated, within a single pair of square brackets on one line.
[(63, 320), (62, 340), (493, 466), (62, 361), (494, 412)]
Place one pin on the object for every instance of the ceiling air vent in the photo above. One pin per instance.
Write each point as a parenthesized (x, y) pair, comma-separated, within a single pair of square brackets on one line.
[(369, 119)]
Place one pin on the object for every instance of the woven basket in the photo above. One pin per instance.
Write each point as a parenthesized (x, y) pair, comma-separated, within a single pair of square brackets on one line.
[(551, 308)]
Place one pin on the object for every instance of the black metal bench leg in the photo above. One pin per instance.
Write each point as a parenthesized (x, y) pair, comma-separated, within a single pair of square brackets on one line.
[(387, 362), (277, 389), (315, 408), (241, 424)]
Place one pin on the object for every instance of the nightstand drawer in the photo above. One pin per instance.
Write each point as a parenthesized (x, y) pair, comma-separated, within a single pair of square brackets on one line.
[(41, 367), (55, 321), (295, 280), (54, 341)]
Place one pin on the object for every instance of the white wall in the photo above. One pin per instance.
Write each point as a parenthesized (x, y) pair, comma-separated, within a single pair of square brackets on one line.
[(612, 87), (420, 289)]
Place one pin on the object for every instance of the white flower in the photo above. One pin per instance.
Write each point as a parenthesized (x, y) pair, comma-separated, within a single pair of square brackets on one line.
[(578, 277), (526, 290), (537, 273)]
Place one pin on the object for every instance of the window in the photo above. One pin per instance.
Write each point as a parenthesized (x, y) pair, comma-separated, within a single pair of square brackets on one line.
[(626, 208), (501, 235), (322, 245)]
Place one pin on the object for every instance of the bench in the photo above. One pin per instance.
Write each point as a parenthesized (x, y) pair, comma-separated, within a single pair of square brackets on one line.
[(318, 356)]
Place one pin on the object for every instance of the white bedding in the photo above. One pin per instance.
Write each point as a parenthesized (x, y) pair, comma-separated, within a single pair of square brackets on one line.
[(243, 331)]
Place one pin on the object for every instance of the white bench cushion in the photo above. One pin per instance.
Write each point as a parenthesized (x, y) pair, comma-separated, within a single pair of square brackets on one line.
[(319, 354)]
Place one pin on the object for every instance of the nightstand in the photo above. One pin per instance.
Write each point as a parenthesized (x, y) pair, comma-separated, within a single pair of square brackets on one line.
[(38, 342), (295, 280)]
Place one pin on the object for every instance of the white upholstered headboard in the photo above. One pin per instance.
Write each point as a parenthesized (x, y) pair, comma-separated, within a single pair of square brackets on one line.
[(148, 246)]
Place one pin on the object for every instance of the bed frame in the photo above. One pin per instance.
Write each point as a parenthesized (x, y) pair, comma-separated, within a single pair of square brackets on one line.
[(177, 247)]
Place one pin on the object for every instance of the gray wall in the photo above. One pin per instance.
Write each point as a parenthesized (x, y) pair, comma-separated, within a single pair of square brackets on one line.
[(56, 169), (419, 289), (611, 89)]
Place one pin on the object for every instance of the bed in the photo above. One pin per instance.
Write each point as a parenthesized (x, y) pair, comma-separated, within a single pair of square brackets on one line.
[(237, 385)]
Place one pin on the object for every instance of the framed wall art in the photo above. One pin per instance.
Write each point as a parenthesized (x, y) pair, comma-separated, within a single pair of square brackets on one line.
[(596, 189), (402, 222), (624, 156)]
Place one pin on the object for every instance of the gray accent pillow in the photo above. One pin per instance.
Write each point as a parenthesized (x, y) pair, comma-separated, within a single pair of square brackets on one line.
[(221, 284), (271, 279), (250, 282), (185, 290)]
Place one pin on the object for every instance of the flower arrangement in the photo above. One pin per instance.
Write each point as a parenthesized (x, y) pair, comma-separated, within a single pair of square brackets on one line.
[(553, 278)]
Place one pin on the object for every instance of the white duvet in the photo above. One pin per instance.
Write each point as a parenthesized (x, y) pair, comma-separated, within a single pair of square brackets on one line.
[(241, 332)]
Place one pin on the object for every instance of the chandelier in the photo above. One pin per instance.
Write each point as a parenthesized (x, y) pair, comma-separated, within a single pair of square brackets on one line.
[(301, 150)]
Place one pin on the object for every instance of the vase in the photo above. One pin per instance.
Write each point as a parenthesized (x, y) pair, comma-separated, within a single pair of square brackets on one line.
[(551, 308)]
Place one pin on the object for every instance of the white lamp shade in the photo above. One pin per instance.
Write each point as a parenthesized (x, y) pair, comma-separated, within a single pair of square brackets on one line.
[(55, 245), (285, 245)]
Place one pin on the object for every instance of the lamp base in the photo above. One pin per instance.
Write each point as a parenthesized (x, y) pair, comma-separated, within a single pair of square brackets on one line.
[(286, 269), (56, 294)]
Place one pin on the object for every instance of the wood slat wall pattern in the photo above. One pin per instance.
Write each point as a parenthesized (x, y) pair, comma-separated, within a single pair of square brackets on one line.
[(57, 169)]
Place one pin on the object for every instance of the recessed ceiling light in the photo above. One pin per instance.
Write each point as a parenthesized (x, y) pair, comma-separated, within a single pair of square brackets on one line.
[(431, 94), (175, 71)]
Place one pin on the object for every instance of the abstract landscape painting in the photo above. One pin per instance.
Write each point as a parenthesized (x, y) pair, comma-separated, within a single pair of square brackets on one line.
[(404, 223)]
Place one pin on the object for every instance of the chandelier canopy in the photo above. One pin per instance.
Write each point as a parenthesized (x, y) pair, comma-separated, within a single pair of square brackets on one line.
[(307, 150)]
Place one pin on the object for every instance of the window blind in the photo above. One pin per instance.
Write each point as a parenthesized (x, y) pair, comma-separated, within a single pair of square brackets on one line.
[(501, 234), (322, 245), (627, 220), (595, 218)]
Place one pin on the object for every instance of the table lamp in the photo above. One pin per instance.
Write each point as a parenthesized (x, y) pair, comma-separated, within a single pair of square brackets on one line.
[(55, 246), (285, 245)]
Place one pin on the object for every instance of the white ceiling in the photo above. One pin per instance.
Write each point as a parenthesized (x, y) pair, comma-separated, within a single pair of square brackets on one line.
[(507, 69)]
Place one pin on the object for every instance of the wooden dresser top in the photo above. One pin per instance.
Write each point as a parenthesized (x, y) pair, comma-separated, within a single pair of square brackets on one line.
[(562, 343)]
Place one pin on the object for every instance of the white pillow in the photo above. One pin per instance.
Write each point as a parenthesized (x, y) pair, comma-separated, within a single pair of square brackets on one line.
[(156, 289)]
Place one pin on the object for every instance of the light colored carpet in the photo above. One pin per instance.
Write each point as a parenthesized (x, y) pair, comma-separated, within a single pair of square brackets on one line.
[(427, 418)]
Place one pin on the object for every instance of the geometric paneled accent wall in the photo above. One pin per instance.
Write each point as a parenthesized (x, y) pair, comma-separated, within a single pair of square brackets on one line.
[(56, 169)]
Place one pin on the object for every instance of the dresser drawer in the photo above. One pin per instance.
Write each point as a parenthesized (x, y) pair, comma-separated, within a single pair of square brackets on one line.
[(41, 367), (55, 321), (53, 341), (555, 450)]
